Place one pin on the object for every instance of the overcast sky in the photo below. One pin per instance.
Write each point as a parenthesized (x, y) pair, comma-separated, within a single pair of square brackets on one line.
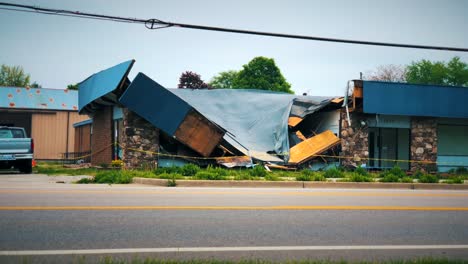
[(58, 51)]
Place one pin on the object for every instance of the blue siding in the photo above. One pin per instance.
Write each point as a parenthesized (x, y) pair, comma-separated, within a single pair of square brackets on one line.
[(415, 100), (38, 98), (155, 103), (102, 83)]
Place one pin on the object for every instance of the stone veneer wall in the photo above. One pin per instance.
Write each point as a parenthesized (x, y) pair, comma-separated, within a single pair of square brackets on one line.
[(423, 143), (354, 139), (139, 134)]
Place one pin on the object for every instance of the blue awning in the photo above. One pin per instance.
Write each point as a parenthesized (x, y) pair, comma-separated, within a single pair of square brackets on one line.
[(101, 88), (414, 100)]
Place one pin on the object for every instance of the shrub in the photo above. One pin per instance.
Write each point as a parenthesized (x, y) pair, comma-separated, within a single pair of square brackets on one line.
[(428, 178), (217, 170), (361, 171), (85, 181), (461, 170), (189, 170), (397, 171), (355, 177), (406, 179), (390, 178), (114, 177), (333, 172), (170, 176), (258, 171), (208, 175), (308, 175), (272, 177), (172, 169), (455, 180)]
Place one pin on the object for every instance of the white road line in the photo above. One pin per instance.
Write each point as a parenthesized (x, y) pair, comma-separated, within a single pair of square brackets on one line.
[(221, 249)]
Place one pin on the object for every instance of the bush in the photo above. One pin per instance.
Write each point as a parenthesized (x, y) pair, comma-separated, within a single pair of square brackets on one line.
[(333, 172), (455, 180), (461, 170), (114, 177), (208, 175), (428, 178), (308, 175), (170, 176), (355, 177), (189, 170), (272, 177), (258, 171), (361, 171), (406, 179), (169, 170), (390, 178)]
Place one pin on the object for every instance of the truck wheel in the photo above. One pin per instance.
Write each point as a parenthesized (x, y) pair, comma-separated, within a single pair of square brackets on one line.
[(26, 167)]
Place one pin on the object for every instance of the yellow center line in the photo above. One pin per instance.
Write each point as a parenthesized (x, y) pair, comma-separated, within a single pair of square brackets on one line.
[(276, 208), (145, 192)]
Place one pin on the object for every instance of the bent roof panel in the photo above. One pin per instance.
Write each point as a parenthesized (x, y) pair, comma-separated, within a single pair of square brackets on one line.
[(38, 98), (414, 100), (257, 120), (101, 84)]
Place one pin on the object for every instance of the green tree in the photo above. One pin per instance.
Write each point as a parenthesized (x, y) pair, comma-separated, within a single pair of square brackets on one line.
[(13, 76), (35, 85), (72, 86), (454, 73), (224, 79), (262, 73)]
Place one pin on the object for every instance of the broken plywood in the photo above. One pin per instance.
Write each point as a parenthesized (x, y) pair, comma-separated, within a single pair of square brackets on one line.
[(306, 150), (200, 134), (293, 121)]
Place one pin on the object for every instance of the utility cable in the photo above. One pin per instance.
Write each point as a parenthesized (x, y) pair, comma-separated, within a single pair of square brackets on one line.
[(158, 24)]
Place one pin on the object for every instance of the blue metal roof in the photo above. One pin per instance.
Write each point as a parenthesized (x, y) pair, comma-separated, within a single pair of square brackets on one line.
[(83, 123), (155, 103), (414, 100), (100, 85), (38, 98)]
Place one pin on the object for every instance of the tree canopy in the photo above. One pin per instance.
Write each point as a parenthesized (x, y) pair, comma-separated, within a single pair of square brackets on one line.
[(224, 79), (262, 73), (13, 76), (388, 73), (192, 80), (72, 86)]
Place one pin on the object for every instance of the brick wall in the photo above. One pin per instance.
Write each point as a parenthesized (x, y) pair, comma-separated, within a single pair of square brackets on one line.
[(101, 141)]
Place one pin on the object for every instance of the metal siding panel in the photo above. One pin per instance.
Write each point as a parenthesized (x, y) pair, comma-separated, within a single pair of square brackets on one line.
[(102, 83), (38, 98), (49, 134), (155, 103), (414, 100), (74, 118)]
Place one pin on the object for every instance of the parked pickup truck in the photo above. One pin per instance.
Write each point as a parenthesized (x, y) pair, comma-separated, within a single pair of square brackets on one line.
[(16, 149)]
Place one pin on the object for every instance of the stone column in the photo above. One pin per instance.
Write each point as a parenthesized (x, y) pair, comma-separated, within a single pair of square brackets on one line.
[(139, 136), (423, 143), (354, 139)]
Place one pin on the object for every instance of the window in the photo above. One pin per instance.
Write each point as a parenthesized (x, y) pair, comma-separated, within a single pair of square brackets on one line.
[(389, 147)]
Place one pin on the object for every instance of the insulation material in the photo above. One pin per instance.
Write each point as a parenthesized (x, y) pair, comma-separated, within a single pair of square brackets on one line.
[(307, 149)]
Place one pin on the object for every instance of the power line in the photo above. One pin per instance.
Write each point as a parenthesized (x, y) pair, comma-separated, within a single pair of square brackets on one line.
[(158, 24)]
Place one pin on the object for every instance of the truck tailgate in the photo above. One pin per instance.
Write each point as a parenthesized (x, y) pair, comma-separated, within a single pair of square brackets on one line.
[(15, 145)]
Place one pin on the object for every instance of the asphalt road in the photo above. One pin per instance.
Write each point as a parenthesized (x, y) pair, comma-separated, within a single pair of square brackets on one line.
[(41, 220)]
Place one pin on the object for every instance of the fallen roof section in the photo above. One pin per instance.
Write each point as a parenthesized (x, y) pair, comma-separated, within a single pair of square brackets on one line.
[(310, 147), (101, 88), (255, 122)]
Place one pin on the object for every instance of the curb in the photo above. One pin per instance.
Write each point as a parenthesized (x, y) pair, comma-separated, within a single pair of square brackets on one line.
[(300, 185)]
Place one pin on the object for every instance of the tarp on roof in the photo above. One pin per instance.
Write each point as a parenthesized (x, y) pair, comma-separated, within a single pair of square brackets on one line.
[(38, 98), (256, 121), (99, 88)]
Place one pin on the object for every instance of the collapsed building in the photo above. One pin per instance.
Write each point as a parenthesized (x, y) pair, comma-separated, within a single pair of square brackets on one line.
[(376, 124), (146, 124)]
